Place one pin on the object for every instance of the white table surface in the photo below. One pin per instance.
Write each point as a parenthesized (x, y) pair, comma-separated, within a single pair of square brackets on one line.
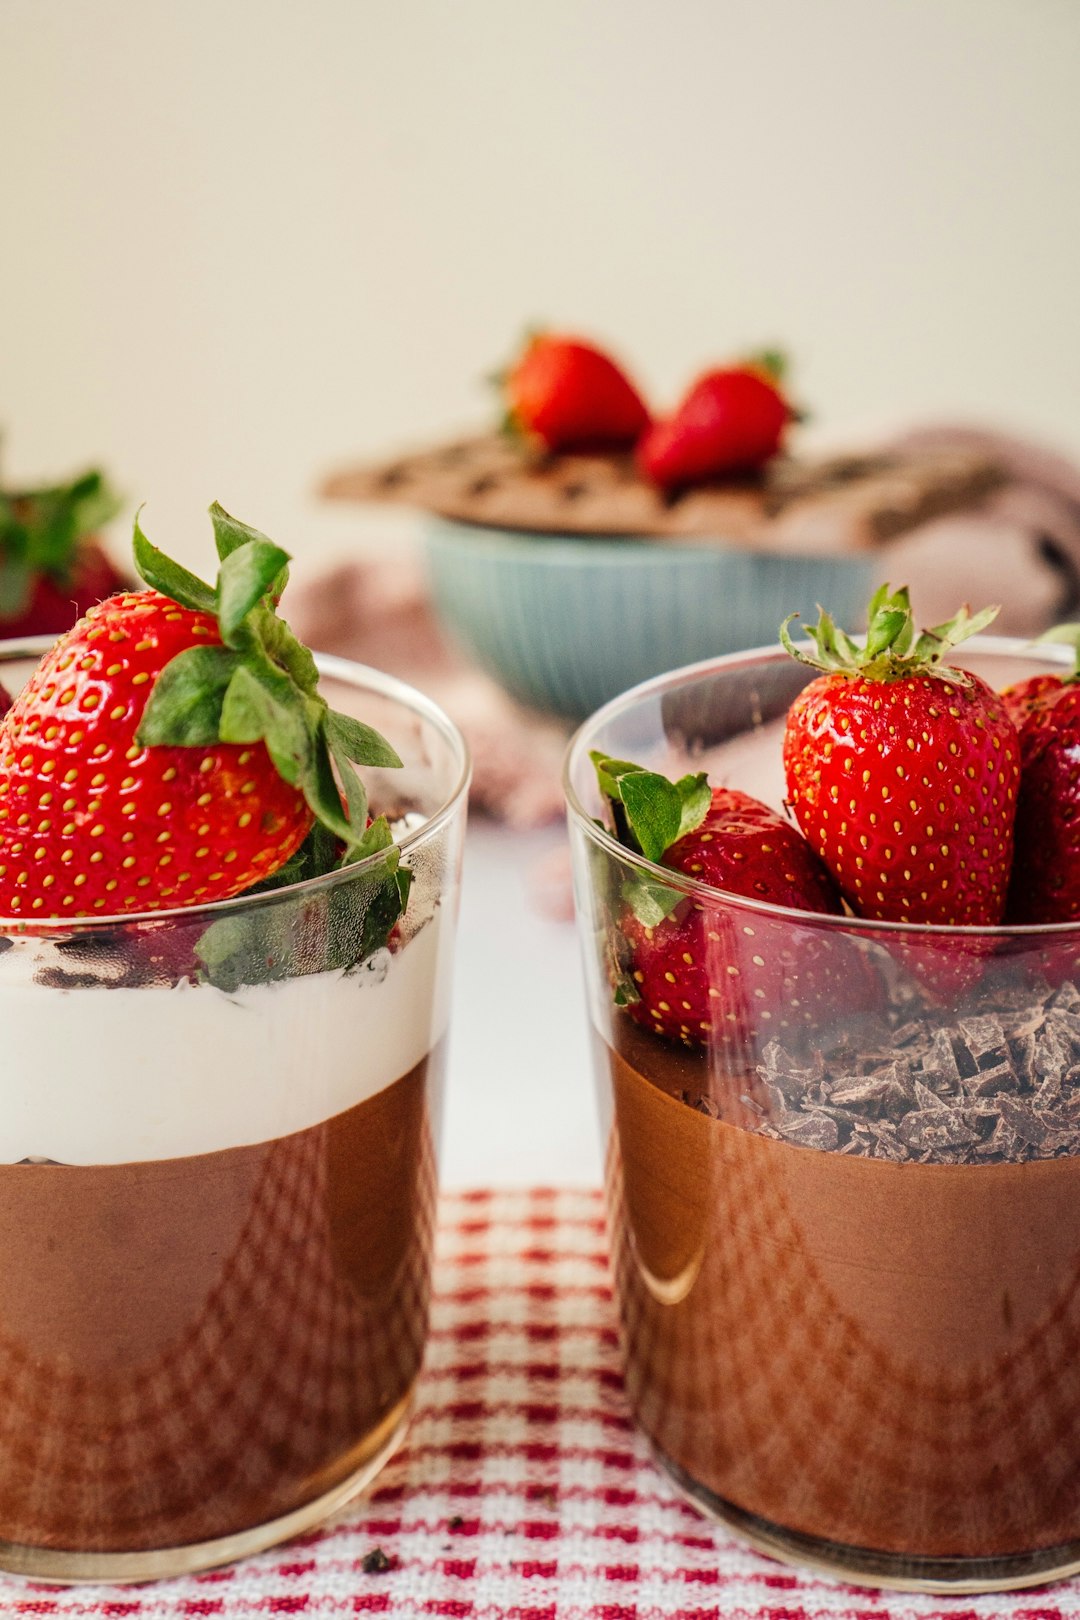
[(520, 1108)]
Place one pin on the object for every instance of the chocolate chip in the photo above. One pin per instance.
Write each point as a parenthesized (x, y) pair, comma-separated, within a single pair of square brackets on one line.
[(983, 1037), (999, 1083), (988, 1082), (814, 1130), (879, 1096), (1031, 1125), (936, 1128)]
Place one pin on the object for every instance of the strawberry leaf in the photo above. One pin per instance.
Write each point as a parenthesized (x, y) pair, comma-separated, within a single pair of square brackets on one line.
[(650, 902), (40, 533), (377, 836), (342, 926), (890, 651), (355, 793), (932, 644), (884, 629), (16, 586), (285, 649), (245, 577), (608, 772), (650, 813), (620, 969), (319, 787), (773, 362), (262, 684), (230, 534), (253, 711), (358, 742), (171, 578), (184, 708), (696, 796), (1066, 635), (653, 809)]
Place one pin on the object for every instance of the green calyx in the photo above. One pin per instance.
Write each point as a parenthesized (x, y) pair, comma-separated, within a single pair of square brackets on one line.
[(510, 425), (649, 812), (773, 362), (357, 918), (40, 530), (260, 685), (891, 649), (1066, 635)]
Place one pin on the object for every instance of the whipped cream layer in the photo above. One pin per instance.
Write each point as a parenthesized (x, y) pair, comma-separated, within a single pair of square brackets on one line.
[(120, 1075)]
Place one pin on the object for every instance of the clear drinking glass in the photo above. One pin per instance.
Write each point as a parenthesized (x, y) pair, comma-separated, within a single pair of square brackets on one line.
[(846, 1227), (218, 1151)]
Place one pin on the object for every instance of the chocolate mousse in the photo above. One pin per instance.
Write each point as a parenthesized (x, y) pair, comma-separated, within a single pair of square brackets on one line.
[(223, 996), (872, 1346), (195, 1345)]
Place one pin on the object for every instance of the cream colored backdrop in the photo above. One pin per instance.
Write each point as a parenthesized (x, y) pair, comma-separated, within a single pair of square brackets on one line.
[(241, 240)]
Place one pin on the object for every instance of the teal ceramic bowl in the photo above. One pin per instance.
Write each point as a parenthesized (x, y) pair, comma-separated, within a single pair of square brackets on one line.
[(564, 623)]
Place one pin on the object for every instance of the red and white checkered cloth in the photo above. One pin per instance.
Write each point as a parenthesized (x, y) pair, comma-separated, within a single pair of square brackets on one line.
[(522, 1491)]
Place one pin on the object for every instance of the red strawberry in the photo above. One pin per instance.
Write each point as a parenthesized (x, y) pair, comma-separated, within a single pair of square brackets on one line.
[(1030, 696), (172, 749), (1045, 886), (52, 568), (572, 396), (704, 973), (902, 772), (732, 420)]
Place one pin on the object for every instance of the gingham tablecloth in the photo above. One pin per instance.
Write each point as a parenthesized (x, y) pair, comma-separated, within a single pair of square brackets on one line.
[(522, 1490)]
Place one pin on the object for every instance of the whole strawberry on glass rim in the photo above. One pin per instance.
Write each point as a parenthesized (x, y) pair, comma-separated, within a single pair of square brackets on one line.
[(172, 749), (1045, 885), (903, 770), (697, 973)]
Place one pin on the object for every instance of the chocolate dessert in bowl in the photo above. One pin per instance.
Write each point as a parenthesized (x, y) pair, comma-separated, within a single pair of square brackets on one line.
[(836, 1021), (228, 885)]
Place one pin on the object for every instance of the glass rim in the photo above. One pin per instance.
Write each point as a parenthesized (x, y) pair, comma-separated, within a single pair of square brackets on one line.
[(686, 675), (352, 673)]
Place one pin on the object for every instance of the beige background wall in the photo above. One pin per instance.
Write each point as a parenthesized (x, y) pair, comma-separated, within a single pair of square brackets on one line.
[(244, 239)]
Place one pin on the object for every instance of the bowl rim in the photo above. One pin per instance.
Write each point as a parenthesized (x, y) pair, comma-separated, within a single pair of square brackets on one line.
[(685, 675), (546, 548), (351, 673)]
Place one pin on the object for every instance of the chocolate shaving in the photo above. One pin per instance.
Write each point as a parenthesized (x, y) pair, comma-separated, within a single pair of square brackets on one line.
[(814, 1130), (883, 1095), (995, 1084), (989, 1082), (984, 1038), (935, 1128)]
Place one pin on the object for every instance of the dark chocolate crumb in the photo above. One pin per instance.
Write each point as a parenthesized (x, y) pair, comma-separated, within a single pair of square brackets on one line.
[(998, 1083), (376, 1562)]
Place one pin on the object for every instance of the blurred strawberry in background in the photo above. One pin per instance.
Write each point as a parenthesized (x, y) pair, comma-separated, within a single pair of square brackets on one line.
[(52, 565), (571, 396), (732, 420)]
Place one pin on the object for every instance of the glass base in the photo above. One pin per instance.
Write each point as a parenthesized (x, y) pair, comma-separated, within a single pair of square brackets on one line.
[(62, 1566), (866, 1567)]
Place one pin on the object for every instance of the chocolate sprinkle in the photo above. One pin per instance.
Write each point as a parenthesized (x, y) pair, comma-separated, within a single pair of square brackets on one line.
[(998, 1085)]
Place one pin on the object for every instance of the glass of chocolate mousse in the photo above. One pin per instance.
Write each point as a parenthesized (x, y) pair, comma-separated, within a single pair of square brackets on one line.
[(218, 1154), (843, 1174)]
